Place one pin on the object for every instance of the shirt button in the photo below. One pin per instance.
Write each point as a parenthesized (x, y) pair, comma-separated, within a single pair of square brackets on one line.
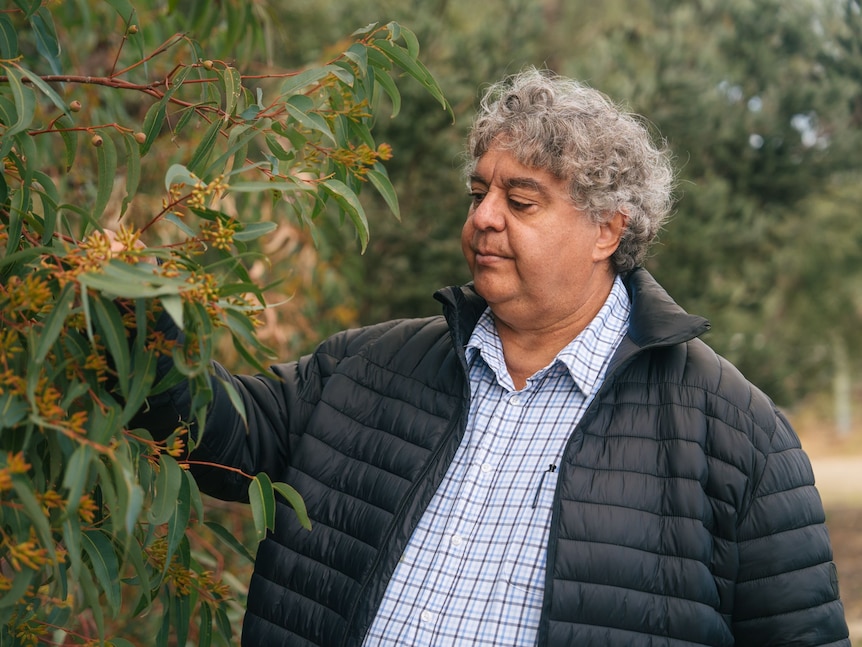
[(515, 400), (456, 540), (486, 468), (426, 616)]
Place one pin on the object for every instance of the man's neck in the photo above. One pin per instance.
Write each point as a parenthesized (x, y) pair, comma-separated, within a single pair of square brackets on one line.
[(531, 347)]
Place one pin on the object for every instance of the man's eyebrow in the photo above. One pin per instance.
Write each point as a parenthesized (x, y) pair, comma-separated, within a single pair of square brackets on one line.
[(531, 184), (478, 179)]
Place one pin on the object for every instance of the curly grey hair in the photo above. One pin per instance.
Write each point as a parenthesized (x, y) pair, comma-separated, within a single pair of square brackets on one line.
[(579, 135)]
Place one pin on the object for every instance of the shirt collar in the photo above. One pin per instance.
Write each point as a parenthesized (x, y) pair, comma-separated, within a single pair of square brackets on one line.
[(585, 357)]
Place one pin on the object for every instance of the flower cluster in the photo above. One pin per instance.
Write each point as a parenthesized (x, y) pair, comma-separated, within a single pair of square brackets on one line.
[(219, 233), (183, 579), (359, 159)]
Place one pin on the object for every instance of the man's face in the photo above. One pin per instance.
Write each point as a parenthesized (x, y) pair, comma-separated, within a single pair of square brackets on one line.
[(536, 259)]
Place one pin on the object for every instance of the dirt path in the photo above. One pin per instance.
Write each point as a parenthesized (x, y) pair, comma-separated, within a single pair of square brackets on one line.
[(839, 479)]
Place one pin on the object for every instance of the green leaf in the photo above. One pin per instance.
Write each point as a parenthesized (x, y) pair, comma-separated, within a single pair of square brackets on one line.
[(46, 38), (362, 31), (167, 489), (106, 156), (225, 535), (8, 38), (134, 499), (25, 104), (155, 117), (179, 174), (113, 332), (143, 374), (47, 90), (92, 598), (415, 69), (118, 279), (119, 642), (205, 627), (72, 541), (180, 607), (235, 399), (310, 120), (288, 185), (278, 150), (194, 496), (70, 140), (133, 170), (13, 409), (28, 7), (205, 148), (50, 199), (349, 203), (255, 230), (32, 508), (134, 555), (380, 180), (178, 222), (76, 477), (409, 39), (54, 323), (262, 500), (103, 423), (106, 567), (295, 500), (303, 79), (224, 625), (233, 89), (21, 204), (153, 122), (403, 60), (344, 74), (173, 305), (394, 30), (358, 53), (178, 522), (386, 82), (242, 327), (18, 589), (238, 139), (124, 8)]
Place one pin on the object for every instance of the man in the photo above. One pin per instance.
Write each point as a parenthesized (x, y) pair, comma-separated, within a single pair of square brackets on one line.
[(557, 460)]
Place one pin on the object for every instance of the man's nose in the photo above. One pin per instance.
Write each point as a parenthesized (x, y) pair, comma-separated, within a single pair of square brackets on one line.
[(490, 212)]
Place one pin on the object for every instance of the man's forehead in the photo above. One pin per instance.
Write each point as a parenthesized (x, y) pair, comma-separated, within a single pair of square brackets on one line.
[(519, 177)]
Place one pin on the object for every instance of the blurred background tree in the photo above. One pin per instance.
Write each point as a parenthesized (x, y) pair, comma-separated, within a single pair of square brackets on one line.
[(761, 104)]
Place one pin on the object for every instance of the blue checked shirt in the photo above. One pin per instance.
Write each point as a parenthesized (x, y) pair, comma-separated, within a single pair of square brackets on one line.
[(473, 572)]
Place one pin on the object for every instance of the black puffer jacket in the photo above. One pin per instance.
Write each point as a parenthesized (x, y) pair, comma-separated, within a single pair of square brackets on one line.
[(685, 512)]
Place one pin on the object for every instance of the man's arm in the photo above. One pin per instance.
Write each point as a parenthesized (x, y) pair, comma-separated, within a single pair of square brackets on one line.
[(787, 590)]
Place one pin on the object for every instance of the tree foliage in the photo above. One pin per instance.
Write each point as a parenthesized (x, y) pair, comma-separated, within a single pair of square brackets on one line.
[(137, 117), (760, 104)]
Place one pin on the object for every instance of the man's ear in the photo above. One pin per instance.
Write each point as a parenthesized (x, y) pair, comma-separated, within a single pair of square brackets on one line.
[(610, 234)]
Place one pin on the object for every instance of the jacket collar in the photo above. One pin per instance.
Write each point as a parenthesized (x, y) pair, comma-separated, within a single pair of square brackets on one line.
[(656, 319)]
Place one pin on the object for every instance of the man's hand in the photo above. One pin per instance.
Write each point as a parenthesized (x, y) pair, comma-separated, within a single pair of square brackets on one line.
[(116, 243)]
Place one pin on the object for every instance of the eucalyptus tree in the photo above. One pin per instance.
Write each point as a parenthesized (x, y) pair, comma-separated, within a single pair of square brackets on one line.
[(170, 123)]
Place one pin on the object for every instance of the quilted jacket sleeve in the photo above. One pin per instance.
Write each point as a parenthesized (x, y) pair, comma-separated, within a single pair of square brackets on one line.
[(276, 410), (787, 589)]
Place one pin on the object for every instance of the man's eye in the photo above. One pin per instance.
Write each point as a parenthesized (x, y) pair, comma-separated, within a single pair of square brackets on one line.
[(476, 197), (519, 206)]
